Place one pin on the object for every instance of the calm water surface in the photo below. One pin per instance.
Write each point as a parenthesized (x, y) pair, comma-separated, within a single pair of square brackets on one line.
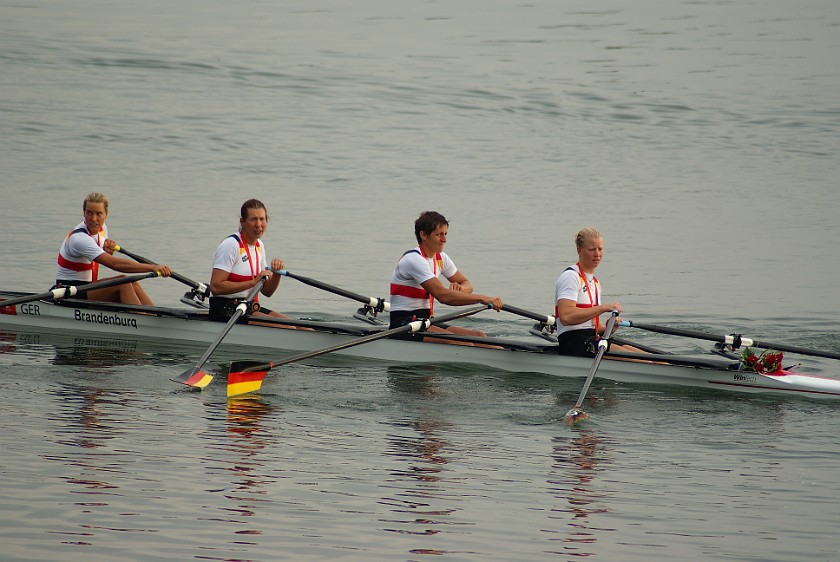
[(701, 137)]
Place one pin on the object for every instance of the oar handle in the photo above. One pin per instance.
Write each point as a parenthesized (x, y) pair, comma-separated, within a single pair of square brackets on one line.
[(735, 340), (375, 303), (547, 320), (201, 289)]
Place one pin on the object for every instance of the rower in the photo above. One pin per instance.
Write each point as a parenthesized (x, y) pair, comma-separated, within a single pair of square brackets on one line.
[(578, 301), (87, 247), (240, 264), (415, 285)]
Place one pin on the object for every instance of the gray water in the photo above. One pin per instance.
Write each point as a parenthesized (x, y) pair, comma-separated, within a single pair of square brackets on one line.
[(700, 137)]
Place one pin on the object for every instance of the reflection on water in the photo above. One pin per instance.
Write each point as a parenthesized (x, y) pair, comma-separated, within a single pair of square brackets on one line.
[(93, 351), (413, 380), (578, 461), (247, 440), (85, 409), (97, 352), (421, 484), (420, 443), (424, 452), (88, 419), (8, 342)]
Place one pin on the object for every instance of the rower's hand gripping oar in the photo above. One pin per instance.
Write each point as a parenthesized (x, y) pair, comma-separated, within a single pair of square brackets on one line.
[(576, 415), (67, 292), (197, 378), (373, 304), (199, 290), (734, 340), (247, 376)]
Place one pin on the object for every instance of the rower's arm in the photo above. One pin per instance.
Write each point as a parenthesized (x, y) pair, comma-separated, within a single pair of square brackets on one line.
[(457, 298), (569, 314), (460, 283), (221, 285), (124, 265)]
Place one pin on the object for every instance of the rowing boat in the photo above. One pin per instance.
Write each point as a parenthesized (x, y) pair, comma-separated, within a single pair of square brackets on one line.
[(522, 355)]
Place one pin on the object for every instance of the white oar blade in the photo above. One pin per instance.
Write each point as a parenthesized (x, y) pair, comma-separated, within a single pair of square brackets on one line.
[(575, 416)]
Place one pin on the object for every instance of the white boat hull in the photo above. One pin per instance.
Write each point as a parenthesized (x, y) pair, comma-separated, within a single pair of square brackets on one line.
[(190, 326)]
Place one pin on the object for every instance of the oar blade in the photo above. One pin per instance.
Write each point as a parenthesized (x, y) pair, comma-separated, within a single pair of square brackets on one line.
[(194, 377), (245, 377), (575, 416)]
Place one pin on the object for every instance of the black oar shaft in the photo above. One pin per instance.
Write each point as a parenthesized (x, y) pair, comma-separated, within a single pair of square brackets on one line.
[(528, 314), (675, 331), (729, 339), (177, 276), (379, 304), (576, 415), (603, 343), (795, 349), (66, 292)]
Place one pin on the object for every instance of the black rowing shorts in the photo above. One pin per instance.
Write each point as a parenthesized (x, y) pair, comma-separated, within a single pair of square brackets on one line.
[(222, 308), (579, 343)]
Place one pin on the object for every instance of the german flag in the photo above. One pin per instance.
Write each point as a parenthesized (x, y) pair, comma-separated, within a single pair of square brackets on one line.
[(246, 376), (198, 379)]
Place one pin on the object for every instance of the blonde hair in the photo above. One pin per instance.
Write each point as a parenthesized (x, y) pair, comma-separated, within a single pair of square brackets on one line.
[(95, 198), (585, 234)]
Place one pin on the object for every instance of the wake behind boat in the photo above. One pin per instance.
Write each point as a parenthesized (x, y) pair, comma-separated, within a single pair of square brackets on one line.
[(522, 355)]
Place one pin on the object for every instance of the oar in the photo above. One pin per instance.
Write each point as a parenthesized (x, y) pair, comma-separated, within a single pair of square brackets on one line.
[(377, 304), (547, 320), (247, 376), (735, 340), (197, 378), (65, 292), (576, 415), (200, 290)]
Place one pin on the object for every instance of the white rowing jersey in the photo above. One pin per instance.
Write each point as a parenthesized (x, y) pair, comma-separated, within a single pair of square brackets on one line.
[(77, 252), (413, 269), (241, 261), (583, 288)]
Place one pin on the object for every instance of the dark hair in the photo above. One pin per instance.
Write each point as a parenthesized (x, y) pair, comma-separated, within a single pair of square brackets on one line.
[(427, 222), (252, 204)]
